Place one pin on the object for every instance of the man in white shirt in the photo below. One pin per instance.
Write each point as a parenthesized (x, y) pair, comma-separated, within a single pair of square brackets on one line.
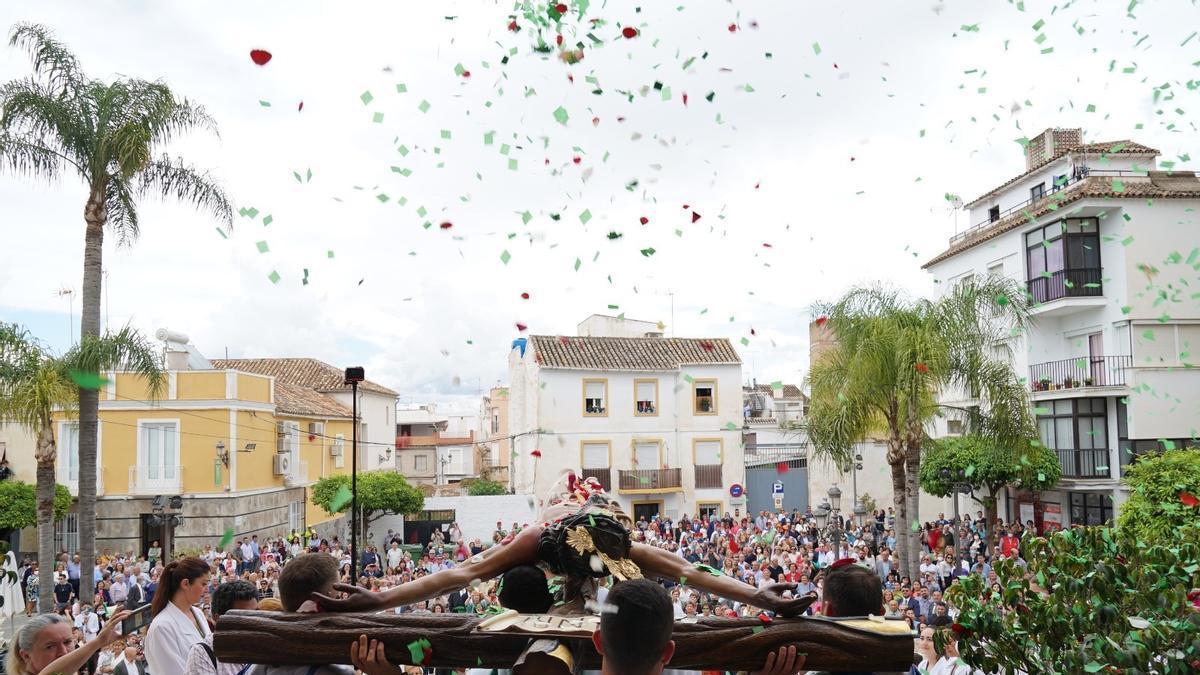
[(88, 622)]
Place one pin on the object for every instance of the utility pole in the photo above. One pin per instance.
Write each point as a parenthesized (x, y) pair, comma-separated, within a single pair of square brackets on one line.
[(353, 377)]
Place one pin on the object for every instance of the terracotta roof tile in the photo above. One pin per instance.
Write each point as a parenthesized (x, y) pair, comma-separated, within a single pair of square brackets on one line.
[(1122, 147), (304, 372), (291, 399), (790, 392), (1156, 185), (617, 353)]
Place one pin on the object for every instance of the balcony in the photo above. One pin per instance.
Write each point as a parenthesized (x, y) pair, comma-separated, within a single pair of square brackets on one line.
[(708, 476), (298, 476), (72, 484), (651, 480), (603, 475), (1084, 463), (1080, 288), (1085, 372), (153, 480)]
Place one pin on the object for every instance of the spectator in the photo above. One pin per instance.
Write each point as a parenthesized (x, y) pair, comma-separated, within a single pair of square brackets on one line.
[(178, 624), (130, 663), (47, 643), (154, 553), (636, 638), (64, 593), (232, 595), (32, 592), (300, 578)]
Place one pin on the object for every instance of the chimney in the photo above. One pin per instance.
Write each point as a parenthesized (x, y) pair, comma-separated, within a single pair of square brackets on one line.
[(1049, 144)]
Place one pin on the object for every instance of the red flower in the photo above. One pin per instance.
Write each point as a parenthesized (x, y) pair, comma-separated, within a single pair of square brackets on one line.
[(820, 320), (561, 8), (921, 368), (959, 629), (524, 296), (536, 453), (260, 56), (644, 220), (446, 225), (629, 32), (521, 327), (1188, 499)]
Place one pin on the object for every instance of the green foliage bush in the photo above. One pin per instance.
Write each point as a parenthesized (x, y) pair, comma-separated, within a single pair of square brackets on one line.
[(18, 504), (1161, 489)]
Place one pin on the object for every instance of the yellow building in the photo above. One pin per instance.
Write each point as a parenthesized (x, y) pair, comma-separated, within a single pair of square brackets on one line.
[(240, 449)]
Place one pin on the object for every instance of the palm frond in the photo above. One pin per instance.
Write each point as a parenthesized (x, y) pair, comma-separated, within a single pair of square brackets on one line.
[(125, 350), (32, 386), (26, 159), (185, 183), (50, 57), (122, 210), (31, 114)]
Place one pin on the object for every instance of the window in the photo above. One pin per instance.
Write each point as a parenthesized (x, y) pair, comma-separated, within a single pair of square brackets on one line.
[(495, 420), (595, 455), (158, 454), (706, 455), (595, 397), (704, 397), (1037, 191), (709, 510), (1063, 259), (296, 516), (645, 394), (66, 533), (338, 451), (1077, 430), (996, 270), (420, 462), (707, 452), (1091, 508), (68, 452), (994, 214), (647, 455), (954, 427)]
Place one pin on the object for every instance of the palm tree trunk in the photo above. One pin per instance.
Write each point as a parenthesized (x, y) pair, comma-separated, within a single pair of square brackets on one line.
[(895, 458), (45, 518), (912, 497), (95, 214)]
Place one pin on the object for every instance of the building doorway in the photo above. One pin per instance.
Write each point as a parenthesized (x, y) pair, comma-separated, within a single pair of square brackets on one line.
[(157, 528), (647, 510)]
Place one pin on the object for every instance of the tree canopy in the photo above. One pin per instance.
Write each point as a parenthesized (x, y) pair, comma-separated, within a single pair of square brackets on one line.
[(18, 504), (1091, 601), (1164, 492), (379, 493), (987, 466), (482, 488)]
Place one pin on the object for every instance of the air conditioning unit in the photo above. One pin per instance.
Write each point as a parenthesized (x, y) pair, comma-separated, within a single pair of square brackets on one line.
[(316, 428), (282, 464), (335, 450)]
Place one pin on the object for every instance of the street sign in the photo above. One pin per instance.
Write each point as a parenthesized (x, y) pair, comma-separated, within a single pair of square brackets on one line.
[(777, 488), (778, 502), (736, 490)]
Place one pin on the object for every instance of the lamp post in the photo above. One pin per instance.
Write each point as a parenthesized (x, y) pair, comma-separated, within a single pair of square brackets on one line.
[(957, 480), (829, 508), (353, 377)]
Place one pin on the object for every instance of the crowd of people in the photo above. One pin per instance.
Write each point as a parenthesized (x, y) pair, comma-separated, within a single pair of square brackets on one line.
[(188, 594)]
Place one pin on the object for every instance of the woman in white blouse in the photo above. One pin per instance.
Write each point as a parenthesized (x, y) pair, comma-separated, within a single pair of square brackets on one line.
[(178, 623)]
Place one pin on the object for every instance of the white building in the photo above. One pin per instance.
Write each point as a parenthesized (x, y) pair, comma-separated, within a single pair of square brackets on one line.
[(1105, 246), (657, 420)]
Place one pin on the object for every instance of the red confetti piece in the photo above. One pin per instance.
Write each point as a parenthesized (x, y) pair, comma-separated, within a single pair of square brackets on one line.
[(821, 320), (781, 467), (536, 453), (577, 159), (595, 121), (766, 245), (260, 56), (561, 8), (733, 28), (685, 98), (733, 546), (753, 332), (921, 368), (756, 185), (446, 225), (629, 32), (466, 74), (524, 296), (522, 327), (300, 107), (695, 216), (1188, 499), (513, 26), (644, 220), (764, 618), (558, 39)]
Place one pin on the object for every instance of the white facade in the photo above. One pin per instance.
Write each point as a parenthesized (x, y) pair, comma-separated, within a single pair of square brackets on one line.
[(377, 412), (648, 460), (1105, 357)]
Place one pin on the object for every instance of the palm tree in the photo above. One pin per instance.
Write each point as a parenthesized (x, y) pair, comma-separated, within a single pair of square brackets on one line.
[(35, 384), (892, 358), (108, 133)]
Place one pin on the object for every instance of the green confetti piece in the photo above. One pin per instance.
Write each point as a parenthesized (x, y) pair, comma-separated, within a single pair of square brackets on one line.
[(816, 47), (366, 97), (265, 104), (329, 254), (1002, 300), (267, 220), (757, 629), (585, 216), (89, 381), (648, 252), (578, 263), (262, 247), (970, 470), (459, 70), (730, 426), (446, 134), (526, 217), (340, 499), (560, 115), (916, 527), (745, 342), (512, 164), (274, 277), (1118, 186), (222, 233), (377, 118), (424, 106), (505, 257), (489, 137), (777, 385), (401, 88), (227, 538)]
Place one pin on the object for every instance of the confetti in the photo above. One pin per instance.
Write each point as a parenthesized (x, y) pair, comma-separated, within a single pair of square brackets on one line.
[(89, 381), (260, 56), (262, 247), (505, 257), (536, 453), (921, 368), (274, 277), (816, 47), (1188, 499), (227, 538), (366, 97), (630, 32), (560, 115), (341, 499)]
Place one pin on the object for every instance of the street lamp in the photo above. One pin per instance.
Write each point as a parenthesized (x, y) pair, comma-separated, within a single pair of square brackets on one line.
[(957, 480), (354, 375), (823, 513)]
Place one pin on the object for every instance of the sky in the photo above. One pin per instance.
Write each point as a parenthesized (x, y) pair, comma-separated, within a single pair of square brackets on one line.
[(454, 168)]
